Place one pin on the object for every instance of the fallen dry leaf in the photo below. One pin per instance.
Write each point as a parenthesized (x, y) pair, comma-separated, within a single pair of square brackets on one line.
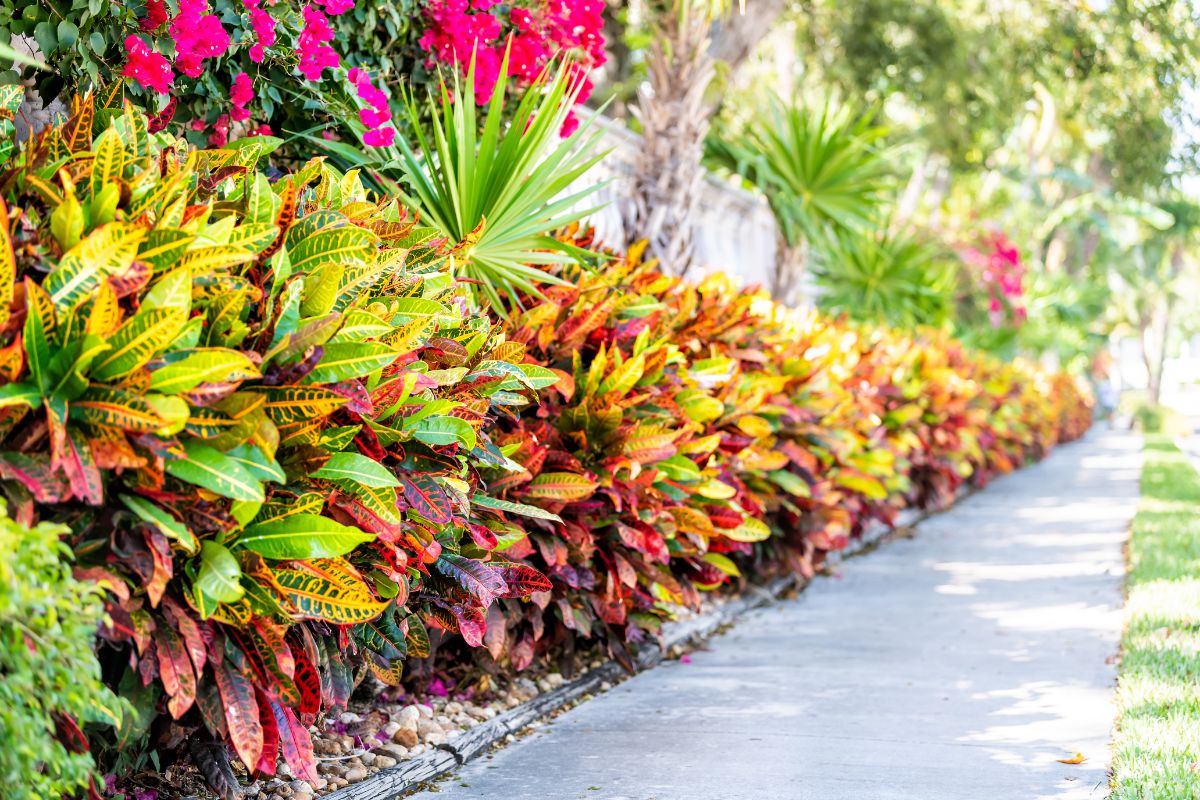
[(1078, 758)]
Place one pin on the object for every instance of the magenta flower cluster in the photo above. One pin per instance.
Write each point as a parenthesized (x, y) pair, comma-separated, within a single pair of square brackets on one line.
[(534, 30), (1001, 274), (456, 32)]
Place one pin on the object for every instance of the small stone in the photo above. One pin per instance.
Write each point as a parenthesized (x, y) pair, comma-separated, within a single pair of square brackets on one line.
[(605, 686), (405, 737), (367, 759), (428, 726), (384, 762), (434, 739), (302, 796), (339, 782), (442, 719), (390, 729), (252, 789), (453, 708), (543, 685), (408, 717), (349, 718), (425, 711), (355, 775), (320, 783), (555, 679), (326, 747), (301, 786), (393, 751), (274, 785), (416, 751)]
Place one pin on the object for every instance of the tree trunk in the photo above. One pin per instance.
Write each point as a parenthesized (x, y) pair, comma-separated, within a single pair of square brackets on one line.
[(1101, 179), (791, 264), (1156, 379), (735, 38), (1144, 330), (675, 116), (910, 198)]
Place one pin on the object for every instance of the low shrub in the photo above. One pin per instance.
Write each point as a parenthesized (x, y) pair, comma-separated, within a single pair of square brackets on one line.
[(1151, 418), (701, 433), (296, 450), (51, 681), (261, 410)]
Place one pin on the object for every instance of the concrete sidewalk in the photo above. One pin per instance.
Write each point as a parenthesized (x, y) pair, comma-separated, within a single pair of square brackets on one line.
[(957, 665)]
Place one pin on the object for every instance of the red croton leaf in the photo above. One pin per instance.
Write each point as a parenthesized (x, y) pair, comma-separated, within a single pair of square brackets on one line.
[(175, 669), (271, 737), (307, 679), (189, 629), (472, 625), (522, 579), (483, 581), (427, 497), (241, 713), (81, 470), (295, 744)]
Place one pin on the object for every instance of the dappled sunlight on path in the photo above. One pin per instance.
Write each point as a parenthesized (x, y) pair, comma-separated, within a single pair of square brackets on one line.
[(961, 663)]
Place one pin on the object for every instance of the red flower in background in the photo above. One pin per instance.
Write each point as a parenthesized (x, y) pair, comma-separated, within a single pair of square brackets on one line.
[(460, 31), (315, 54), (198, 35), (150, 69), (264, 29), (1000, 273), (240, 95), (156, 14)]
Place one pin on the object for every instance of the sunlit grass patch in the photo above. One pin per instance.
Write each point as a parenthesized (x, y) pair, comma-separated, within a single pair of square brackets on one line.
[(1157, 746)]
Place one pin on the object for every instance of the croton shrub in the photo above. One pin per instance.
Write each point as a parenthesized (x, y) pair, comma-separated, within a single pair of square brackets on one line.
[(293, 451), (262, 410)]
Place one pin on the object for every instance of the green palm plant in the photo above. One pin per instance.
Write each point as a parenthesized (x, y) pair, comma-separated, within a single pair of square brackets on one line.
[(497, 186), (820, 169), (893, 277)]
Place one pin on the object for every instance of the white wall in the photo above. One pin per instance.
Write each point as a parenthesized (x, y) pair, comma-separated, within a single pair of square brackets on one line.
[(736, 232)]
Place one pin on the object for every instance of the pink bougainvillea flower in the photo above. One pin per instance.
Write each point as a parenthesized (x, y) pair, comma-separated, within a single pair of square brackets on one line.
[(240, 94), (198, 35), (570, 125), (220, 135), (262, 130), (462, 32), (242, 91), (521, 19), (263, 25), (314, 54), (156, 14), (380, 137), (335, 7), (373, 118), (148, 68)]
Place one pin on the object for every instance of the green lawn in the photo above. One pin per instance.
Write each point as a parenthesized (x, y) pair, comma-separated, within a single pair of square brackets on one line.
[(1157, 746)]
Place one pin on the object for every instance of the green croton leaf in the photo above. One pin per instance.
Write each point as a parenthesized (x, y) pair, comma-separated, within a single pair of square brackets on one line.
[(302, 536)]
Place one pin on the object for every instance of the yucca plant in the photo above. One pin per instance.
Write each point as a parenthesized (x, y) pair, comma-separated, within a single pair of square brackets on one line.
[(497, 186), (893, 277), (820, 169)]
